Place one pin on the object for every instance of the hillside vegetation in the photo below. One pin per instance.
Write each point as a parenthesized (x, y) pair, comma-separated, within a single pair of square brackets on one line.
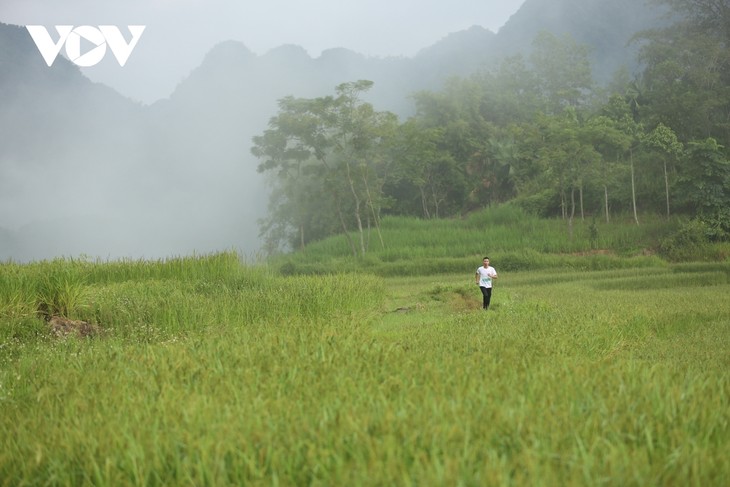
[(536, 130), (515, 239), (597, 364)]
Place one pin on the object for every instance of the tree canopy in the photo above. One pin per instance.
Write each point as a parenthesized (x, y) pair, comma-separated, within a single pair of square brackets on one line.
[(536, 131)]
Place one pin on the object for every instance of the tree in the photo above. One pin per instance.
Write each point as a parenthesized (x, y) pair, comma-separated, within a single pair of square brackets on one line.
[(664, 142), (459, 112), (287, 147), (563, 71), (425, 178), (569, 154), (706, 183), (511, 92), (687, 70), (619, 110), (611, 143), (334, 147)]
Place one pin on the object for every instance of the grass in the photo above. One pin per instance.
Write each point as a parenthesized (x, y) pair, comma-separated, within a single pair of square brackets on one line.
[(517, 240), (209, 371)]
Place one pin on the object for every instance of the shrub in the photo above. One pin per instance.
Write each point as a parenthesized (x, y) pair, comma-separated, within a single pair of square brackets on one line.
[(540, 203), (689, 243)]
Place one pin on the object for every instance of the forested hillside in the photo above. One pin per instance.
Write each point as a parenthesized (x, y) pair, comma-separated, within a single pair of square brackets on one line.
[(535, 128), (477, 119)]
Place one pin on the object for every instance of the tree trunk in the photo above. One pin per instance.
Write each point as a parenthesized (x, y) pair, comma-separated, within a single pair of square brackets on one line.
[(666, 186), (633, 186), (376, 219), (572, 203), (358, 218), (605, 200), (424, 204), (360, 229), (572, 213), (580, 194), (344, 227), (436, 202), (369, 233)]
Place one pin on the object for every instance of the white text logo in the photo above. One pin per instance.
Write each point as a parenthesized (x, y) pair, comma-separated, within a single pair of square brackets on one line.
[(100, 38)]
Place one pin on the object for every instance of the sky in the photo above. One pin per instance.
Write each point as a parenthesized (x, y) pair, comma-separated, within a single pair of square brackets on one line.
[(178, 33)]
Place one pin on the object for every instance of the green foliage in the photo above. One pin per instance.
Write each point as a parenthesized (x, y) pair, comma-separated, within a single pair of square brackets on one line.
[(499, 216), (60, 292), (541, 203), (153, 301), (514, 240), (615, 373), (703, 267), (49, 289), (563, 71), (706, 175), (691, 242), (690, 85), (328, 158), (644, 283), (425, 181), (540, 134), (526, 260), (17, 293)]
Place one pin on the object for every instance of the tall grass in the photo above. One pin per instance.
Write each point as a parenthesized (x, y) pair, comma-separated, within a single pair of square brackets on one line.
[(506, 233), (257, 379), (589, 369), (501, 229), (150, 301)]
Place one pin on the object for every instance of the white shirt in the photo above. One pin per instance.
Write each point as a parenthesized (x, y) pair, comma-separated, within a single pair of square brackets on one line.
[(485, 276)]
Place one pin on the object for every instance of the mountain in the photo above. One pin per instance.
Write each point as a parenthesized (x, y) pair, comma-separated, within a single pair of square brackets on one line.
[(83, 170), (606, 27), (65, 140)]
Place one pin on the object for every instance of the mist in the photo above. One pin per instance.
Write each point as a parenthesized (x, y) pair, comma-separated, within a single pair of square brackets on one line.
[(112, 163), (180, 33), (87, 172)]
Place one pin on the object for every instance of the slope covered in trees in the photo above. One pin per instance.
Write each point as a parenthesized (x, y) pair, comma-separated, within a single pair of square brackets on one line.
[(536, 129)]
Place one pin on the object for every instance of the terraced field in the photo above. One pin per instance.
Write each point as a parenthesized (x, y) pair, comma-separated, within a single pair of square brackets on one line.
[(203, 371)]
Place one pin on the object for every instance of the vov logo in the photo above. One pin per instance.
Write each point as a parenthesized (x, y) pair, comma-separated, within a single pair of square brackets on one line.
[(100, 37)]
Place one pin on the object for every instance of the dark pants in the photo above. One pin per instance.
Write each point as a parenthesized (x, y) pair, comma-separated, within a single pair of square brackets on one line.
[(487, 293)]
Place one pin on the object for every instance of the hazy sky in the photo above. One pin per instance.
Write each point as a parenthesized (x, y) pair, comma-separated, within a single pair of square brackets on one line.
[(179, 32)]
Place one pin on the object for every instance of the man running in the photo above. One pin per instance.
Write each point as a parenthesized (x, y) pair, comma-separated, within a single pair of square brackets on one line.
[(484, 277)]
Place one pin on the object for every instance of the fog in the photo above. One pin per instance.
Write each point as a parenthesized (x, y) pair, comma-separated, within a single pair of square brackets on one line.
[(151, 160), (180, 32)]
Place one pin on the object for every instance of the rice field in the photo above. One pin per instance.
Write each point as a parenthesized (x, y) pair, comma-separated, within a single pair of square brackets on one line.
[(210, 371), (599, 363)]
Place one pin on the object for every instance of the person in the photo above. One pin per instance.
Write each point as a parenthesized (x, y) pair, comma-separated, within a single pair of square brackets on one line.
[(484, 277)]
